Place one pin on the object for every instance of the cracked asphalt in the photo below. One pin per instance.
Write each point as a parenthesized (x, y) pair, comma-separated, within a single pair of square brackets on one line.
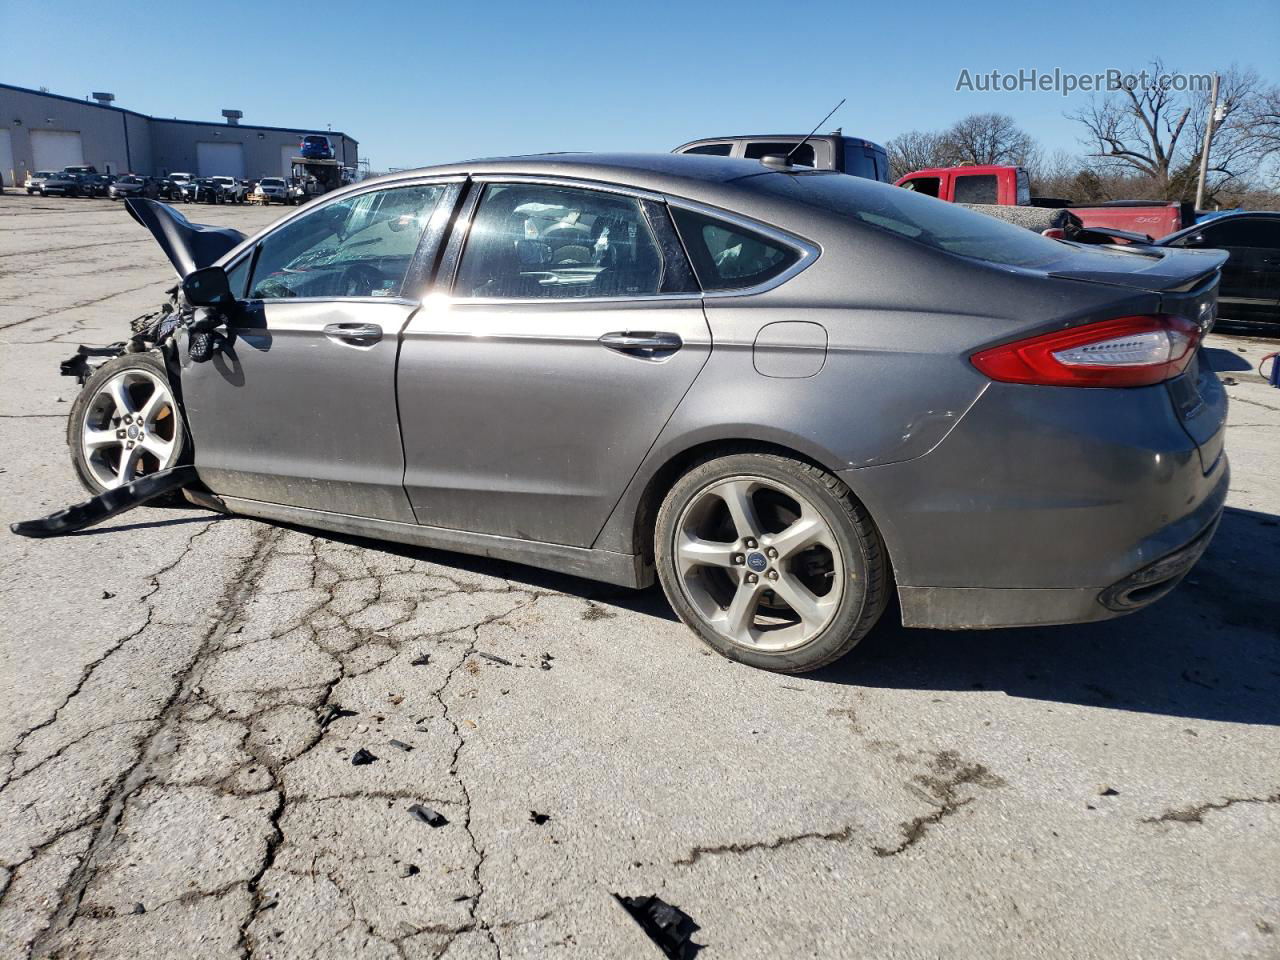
[(183, 695)]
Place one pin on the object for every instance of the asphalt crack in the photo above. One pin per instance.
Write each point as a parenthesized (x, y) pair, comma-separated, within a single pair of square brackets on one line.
[(1196, 812), (843, 835), (941, 788)]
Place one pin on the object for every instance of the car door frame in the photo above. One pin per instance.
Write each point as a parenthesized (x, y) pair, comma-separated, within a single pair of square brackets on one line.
[(442, 291), (220, 470)]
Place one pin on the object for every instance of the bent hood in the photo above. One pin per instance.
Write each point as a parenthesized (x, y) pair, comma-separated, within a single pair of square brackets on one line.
[(189, 246)]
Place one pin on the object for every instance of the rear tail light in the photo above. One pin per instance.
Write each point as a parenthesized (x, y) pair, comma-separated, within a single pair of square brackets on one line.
[(1124, 352)]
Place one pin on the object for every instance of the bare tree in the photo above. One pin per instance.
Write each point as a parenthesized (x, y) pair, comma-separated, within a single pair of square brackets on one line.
[(983, 138), (914, 150)]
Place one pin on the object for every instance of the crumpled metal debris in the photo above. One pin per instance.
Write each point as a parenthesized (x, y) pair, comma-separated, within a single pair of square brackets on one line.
[(495, 658), (538, 818), (362, 757), (666, 925), (107, 504)]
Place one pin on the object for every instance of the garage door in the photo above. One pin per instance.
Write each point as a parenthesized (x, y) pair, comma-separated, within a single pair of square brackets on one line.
[(220, 159), (55, 149), (7, 173), (286, 159)]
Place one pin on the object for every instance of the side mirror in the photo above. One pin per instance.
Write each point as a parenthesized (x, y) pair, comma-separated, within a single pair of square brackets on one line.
[(207, 287), (1195, 240)]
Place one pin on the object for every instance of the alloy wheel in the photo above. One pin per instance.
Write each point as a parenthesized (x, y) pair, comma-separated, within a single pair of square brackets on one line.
[(130, 428), (759, 563)]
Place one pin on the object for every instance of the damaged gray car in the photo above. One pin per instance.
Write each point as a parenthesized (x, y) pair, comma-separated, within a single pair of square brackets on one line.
[(784, 393)]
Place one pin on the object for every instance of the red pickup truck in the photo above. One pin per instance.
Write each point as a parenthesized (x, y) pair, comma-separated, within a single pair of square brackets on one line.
[(1010, 186)]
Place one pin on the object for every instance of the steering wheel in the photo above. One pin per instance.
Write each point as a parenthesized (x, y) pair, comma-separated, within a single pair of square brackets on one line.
[(360, 280)]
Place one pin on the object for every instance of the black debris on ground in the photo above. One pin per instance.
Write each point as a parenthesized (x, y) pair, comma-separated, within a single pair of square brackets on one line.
[(538, 818), (545, 662), (432, 818), (666, 925), (107, 594), (138, 909), (1106, 791), (408, 870), (401, 745), (362, 757), (421, 661), (495, 658), (331, 712)]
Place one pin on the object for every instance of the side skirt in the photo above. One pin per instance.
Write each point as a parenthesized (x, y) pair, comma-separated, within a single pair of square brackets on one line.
[(623, 569)]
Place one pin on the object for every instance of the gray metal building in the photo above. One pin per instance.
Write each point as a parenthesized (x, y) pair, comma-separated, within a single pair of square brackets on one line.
[(45, 131)]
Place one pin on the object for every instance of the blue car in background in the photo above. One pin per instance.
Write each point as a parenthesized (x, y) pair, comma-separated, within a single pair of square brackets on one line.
[(316, 147)]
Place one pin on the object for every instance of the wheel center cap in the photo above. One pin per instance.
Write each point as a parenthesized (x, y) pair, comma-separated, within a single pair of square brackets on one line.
[(757, 562), (133, 432)]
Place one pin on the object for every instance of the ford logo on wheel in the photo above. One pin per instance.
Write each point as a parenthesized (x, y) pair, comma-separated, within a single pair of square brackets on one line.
[(757, 562)]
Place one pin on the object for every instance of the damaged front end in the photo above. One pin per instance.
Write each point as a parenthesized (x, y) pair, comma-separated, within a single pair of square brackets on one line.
[(190, 248)]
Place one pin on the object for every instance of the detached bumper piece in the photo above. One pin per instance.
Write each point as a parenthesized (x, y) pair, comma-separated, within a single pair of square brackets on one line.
[(107, 505), (1154, 581)]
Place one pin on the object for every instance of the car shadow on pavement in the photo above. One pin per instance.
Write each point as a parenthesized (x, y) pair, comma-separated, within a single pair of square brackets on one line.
[(1209, 651), (142, 524)]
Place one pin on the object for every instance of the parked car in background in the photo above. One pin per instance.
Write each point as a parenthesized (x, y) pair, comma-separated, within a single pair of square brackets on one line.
[(298, 192), (827, 151), (202, 190), (133, 185), (273, 190), (1250, 288), (63, 185), (96, 184), (1078, 472), (315, 147), (36, 180), (178, 185), (1002, 185), (82, 168), (233, 190)]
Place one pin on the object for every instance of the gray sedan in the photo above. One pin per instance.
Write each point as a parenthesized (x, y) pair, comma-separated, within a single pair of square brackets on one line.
[(784, 394)]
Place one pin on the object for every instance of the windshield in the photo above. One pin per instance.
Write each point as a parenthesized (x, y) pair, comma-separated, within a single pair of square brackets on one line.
[(271, 182), (130, 180), (934, 223)]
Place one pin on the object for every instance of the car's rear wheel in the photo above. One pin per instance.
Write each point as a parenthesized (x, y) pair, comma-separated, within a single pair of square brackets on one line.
[(125, 423), (771, 561)]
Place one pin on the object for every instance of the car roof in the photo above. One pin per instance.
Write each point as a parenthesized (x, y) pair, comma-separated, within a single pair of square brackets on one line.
[(673, 173)]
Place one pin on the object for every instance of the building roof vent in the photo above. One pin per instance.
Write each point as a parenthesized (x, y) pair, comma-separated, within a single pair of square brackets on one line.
[(233, 116), (104, 98)]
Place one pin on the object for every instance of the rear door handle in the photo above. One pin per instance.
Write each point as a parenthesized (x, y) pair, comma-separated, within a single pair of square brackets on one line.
[(358, 333), (646, 345)]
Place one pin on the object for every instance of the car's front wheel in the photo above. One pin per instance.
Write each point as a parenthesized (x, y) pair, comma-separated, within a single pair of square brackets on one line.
[(771, 561), (125, 423)]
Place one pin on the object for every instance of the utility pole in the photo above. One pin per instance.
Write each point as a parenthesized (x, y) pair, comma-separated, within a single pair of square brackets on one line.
[(1208, 139)]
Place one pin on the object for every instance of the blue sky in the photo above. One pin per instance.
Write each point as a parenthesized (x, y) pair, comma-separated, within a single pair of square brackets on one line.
[(421, 83)]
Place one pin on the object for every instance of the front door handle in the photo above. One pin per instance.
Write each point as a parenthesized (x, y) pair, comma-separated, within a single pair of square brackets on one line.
[(645, 345), (358, 333)]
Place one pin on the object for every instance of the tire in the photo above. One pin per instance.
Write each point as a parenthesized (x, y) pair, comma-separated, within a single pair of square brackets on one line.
[(828, 559), (98, 436)]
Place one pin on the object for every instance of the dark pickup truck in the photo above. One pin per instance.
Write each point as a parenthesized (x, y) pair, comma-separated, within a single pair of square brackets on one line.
[(824, 151)]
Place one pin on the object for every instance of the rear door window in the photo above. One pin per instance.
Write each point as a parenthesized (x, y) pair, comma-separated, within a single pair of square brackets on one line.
[(534, 241), (1243, 233), (727, 256), (976, 188)]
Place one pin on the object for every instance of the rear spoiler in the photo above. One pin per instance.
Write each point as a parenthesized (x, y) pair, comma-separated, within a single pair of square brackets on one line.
[(189, 246)]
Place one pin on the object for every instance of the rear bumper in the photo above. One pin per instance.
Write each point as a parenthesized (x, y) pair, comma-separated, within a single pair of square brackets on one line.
[(978, 608), (1039, 502)]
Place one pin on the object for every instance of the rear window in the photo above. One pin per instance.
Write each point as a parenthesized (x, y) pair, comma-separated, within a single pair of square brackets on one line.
[(271, 182), (803, 156), (976, 188), (934, 223), (729, 257), (860, 161)]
